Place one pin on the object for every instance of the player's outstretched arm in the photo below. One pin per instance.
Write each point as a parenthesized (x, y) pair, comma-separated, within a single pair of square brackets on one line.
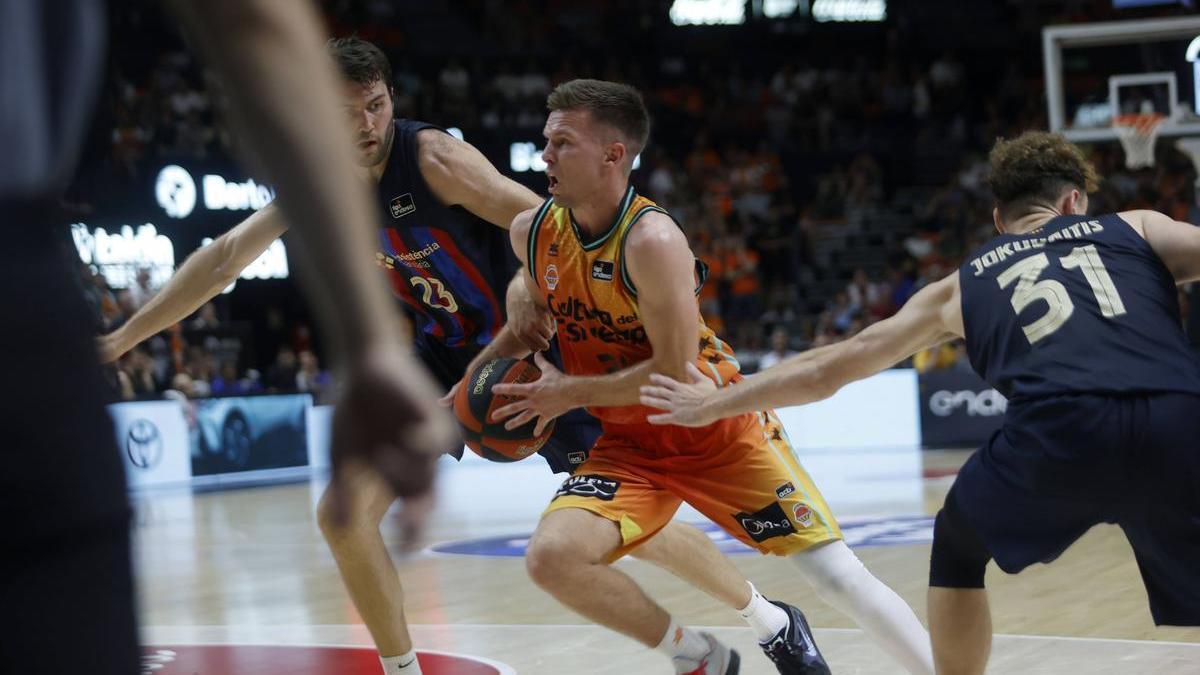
[(931, 317), (459, 175), (528, 317), (508, 342), (1177, 243), (283, 91), (200, 278)]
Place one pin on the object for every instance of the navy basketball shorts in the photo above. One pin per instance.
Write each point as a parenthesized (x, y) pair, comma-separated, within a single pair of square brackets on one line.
[(1063, 464), (574, 433)]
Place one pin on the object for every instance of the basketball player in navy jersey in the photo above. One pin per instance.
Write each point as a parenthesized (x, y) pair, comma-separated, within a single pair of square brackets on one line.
[(444, 208), (1075, 319)]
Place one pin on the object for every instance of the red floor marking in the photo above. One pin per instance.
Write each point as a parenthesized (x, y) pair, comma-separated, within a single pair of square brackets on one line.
[(277, 660), (939, 473)]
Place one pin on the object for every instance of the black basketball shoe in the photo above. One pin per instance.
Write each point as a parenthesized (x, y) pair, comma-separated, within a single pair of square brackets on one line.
[(793, 649)]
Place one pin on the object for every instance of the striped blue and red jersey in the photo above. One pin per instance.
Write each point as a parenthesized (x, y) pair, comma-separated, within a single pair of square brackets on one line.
[(448, 266)]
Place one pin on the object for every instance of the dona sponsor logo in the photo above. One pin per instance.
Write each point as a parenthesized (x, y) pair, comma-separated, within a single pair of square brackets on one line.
[(589, 486), (987, 403), (766, 523)]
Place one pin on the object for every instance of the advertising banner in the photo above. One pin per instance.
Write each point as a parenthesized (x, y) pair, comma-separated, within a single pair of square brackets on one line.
[(153, 438), (958, 409), (247, 433)]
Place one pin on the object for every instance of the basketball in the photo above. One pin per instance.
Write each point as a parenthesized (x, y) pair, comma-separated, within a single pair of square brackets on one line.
[(474, 405)]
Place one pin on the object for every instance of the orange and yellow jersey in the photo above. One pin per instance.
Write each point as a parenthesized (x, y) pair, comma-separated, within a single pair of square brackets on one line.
[(595, 304)]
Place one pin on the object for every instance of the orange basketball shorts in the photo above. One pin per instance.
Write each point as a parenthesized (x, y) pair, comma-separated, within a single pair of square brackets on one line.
[(741, 473)]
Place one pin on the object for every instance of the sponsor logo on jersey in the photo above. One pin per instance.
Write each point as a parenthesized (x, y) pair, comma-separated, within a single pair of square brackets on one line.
[(785, 490), (765, 523), (576, 457), (602, 270), (589, 485), (551, 277), (414, 258), (403, 205), (580, 321), (803, 514)]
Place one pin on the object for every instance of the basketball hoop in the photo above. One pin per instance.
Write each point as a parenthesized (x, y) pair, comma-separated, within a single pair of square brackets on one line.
[(1137, 134)]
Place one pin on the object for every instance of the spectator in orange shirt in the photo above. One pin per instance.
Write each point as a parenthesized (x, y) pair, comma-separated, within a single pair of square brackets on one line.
[(739, 266)]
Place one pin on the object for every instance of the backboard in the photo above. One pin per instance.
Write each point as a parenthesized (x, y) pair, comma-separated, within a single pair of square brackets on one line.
[(1097, 71)]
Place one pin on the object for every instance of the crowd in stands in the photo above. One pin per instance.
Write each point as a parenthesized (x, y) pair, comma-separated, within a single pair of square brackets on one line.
[(205, 355), (821, 190)]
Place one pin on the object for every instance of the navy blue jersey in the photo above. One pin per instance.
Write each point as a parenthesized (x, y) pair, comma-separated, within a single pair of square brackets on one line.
[(449, 266), (1081, 305)]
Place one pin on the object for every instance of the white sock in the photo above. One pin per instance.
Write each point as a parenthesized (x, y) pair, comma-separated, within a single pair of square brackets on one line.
[(405, 664), (766, 619), (681, 641), (839, 578)]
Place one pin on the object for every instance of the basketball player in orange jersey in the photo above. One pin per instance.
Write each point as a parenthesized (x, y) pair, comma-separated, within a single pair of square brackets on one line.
[(616, 272), (459, 195)]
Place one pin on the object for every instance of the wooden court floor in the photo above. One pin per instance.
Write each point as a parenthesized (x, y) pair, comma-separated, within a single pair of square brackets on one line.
[(249, 567)]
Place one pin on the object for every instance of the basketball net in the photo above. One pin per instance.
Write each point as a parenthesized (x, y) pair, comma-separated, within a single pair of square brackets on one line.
[(1137, 134)]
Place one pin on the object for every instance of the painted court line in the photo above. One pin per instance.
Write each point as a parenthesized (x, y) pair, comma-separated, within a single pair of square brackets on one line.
[(558, 626)]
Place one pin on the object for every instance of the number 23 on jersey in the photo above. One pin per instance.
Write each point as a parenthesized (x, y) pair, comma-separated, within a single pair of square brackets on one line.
[(434, 293)]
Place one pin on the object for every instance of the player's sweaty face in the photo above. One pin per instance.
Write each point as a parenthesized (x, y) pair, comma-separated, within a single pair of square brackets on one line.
[(368, 110), (574, 155)]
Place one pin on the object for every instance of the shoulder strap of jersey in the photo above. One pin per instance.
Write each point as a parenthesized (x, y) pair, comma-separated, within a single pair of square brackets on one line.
[(404, 163), (535, 228), (701, 266)]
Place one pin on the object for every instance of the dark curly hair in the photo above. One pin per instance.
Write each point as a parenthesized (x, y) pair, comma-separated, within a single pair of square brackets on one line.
[(360, 61), (1037, 167)]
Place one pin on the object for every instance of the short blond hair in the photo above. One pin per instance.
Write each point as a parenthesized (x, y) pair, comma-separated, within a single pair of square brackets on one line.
[(617, 105)]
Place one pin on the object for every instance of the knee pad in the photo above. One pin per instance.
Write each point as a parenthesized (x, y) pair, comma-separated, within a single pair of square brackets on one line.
[(959, 558)]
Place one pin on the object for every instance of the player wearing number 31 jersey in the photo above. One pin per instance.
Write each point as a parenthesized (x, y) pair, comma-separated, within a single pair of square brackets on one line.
[(1074, 318)]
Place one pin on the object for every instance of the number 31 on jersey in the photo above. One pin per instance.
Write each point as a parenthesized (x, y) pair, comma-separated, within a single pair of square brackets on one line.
[(1029, 289)]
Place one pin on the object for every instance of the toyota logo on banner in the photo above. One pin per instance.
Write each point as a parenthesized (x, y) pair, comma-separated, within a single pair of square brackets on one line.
[(144, 444)]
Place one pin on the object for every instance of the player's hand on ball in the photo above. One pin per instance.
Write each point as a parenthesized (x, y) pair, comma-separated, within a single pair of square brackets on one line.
[(530, 322), (389, 421), (544, 398), (683, 401), (447, 401)]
